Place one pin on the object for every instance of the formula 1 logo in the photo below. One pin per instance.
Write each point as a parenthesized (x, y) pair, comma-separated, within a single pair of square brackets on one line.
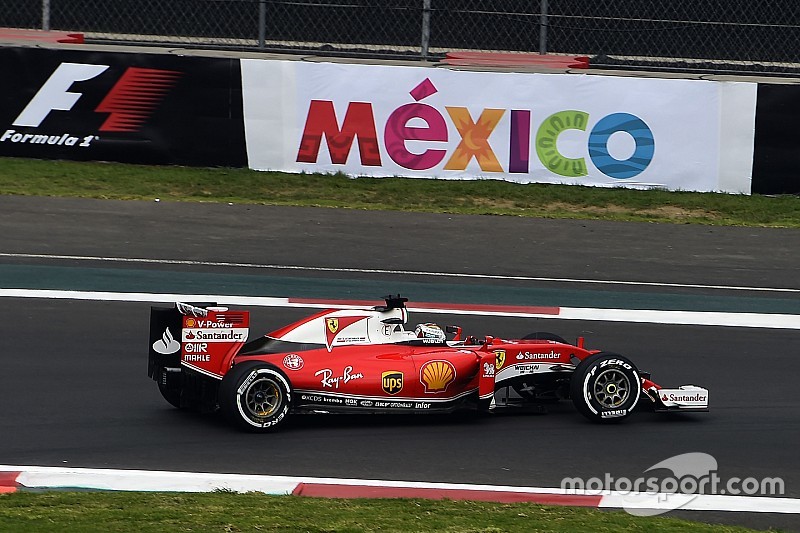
[(129, 103)]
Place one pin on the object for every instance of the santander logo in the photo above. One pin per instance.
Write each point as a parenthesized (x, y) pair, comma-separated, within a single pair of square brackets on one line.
[(166, 344)]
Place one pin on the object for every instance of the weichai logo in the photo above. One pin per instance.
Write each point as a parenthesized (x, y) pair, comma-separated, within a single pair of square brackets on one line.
[(405, 124), (128, 104)]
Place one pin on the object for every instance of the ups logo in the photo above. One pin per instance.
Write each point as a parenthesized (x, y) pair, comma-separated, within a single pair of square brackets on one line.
[(392, 382)]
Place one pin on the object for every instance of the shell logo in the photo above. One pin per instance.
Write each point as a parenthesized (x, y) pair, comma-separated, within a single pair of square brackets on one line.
[(190, 322), (437, 375)]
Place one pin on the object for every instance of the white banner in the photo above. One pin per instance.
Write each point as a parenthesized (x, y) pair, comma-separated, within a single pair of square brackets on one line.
[(371, 120)]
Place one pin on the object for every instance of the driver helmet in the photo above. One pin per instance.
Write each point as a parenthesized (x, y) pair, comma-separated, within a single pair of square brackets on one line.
[(430, 331)]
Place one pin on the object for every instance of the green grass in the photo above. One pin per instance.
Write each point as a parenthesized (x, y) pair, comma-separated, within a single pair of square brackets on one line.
[(228, 512), (489, 197)]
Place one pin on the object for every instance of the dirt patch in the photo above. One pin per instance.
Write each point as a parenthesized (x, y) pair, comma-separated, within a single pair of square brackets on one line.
[(668, 212)]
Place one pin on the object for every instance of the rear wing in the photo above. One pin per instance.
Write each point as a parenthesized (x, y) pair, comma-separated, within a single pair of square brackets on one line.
[(199, 336)]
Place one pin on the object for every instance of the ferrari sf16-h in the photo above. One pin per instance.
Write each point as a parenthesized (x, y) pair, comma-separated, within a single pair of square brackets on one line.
[(366, 361)]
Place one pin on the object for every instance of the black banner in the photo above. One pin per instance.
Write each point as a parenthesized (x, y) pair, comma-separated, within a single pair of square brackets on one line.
[(126, 107), (777, 140)]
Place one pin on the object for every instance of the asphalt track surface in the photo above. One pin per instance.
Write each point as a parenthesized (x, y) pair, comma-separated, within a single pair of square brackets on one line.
[(75, 391)]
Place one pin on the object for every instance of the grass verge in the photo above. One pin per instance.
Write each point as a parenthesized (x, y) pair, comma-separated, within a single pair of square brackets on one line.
[(488, 197), (124, 512)]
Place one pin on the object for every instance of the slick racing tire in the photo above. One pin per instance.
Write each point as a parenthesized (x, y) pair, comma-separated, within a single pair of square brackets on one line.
[(543, 335), (255, 397), (524, 388), (172, 395), (605, 387)]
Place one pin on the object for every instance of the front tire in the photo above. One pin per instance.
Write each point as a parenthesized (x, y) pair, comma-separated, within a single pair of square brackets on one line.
[(255, 397), (605, 387)]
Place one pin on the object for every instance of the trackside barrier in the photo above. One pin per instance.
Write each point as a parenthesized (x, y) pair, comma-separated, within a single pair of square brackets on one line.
[(414, 121), (380, 121), (146, 108)]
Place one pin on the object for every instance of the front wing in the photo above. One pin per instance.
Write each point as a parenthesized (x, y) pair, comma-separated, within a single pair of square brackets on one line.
[(685, 398)]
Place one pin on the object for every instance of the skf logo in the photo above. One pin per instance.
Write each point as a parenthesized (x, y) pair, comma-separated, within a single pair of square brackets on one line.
[(499, 358), (333, 325), (129, 103), (392, 382)]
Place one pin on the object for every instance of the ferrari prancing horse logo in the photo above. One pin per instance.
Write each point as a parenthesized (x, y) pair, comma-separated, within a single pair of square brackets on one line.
[(499, 358), (333, 325)]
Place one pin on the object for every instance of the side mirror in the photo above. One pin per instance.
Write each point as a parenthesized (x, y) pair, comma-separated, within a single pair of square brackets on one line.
[(454, 330)]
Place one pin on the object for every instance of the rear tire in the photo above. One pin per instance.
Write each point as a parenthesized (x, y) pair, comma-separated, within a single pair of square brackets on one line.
[(545, 336), (171, 394), (255, 397), (605, 387)]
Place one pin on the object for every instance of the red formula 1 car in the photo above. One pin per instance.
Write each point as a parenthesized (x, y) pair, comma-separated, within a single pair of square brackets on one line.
[(365, 360)]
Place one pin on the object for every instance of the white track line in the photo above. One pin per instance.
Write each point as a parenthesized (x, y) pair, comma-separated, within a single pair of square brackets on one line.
[(391, 272), (696, 318), (742, 320)]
